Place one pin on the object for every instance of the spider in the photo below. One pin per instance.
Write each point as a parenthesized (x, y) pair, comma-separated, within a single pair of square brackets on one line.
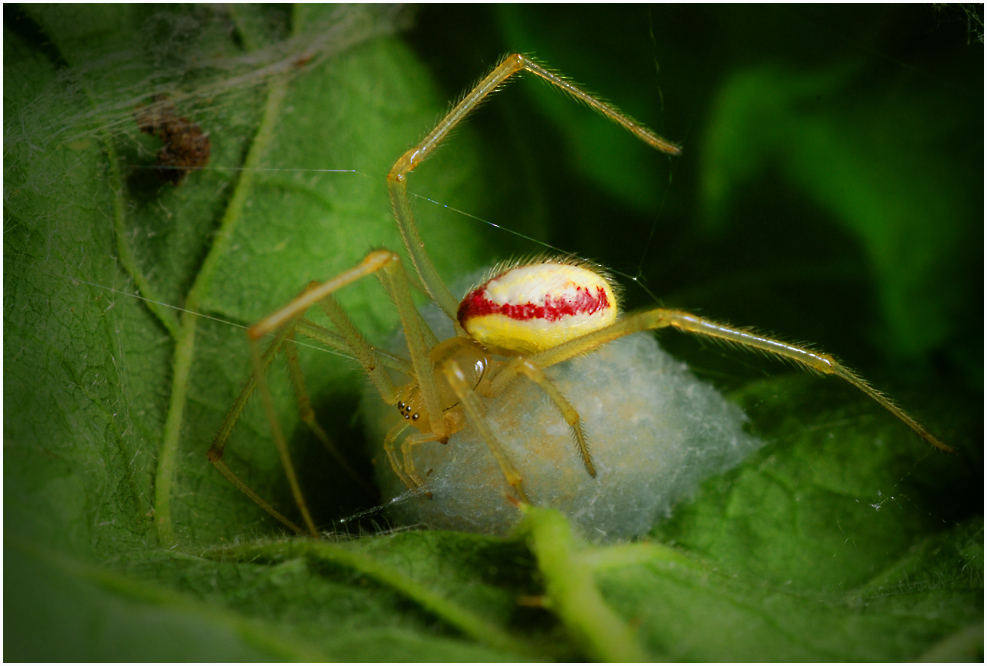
[(525, 318)]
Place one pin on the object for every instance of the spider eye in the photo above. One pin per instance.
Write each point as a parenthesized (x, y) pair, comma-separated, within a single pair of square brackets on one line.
[(414, 416)]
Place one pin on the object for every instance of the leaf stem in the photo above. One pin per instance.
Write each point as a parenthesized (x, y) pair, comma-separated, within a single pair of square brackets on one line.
[(573, 595), (185, 340), (125, 255)]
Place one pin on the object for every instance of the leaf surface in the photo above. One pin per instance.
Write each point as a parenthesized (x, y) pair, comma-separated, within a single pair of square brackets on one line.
[(843, 539)]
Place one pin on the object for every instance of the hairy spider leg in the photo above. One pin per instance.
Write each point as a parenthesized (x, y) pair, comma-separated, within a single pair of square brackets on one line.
[(396, 179), (474, 410), (284, 341), (690, 323), (284, 322), (502, 377), (284, 325), (215, 453), (351, 343), (398, 468)]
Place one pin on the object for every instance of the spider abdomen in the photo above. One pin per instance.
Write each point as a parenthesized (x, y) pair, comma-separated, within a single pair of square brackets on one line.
[(529, 308)]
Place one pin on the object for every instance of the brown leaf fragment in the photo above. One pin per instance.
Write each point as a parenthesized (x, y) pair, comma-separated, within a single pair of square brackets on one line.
[(184, 147)]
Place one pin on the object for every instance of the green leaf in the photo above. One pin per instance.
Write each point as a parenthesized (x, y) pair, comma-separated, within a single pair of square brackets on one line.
[(844, 538)]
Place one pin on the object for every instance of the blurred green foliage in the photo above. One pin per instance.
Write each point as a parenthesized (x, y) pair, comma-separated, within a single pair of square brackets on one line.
[(830, 190)]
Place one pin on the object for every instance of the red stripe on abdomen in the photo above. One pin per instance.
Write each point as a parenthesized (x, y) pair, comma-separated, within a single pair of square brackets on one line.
[(476, 304)]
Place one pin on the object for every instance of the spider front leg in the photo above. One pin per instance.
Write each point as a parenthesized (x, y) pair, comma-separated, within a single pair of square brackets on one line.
[(285, 321), (284, 342), (405, 468), (420, 338), (456, 377), (291, 319)]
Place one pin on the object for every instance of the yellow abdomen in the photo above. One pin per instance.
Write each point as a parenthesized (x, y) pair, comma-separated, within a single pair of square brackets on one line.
[(534, 307)]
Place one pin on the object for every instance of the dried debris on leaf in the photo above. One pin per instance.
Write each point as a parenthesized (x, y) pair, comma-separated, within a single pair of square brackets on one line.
[(185, 146)]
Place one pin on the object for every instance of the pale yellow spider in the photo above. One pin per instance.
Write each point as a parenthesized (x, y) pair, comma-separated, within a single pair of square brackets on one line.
[(526, 318)]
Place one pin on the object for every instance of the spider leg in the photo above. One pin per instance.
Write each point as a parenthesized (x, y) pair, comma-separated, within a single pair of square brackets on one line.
[(420, 337), (285, 322), (307, 415), (215, 453), (474, 412), (690, 323), (397, 178), (260, 377), (365, 354), (372, 263), (392, 435), (411, 441), (524, 365), (335, 341)]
